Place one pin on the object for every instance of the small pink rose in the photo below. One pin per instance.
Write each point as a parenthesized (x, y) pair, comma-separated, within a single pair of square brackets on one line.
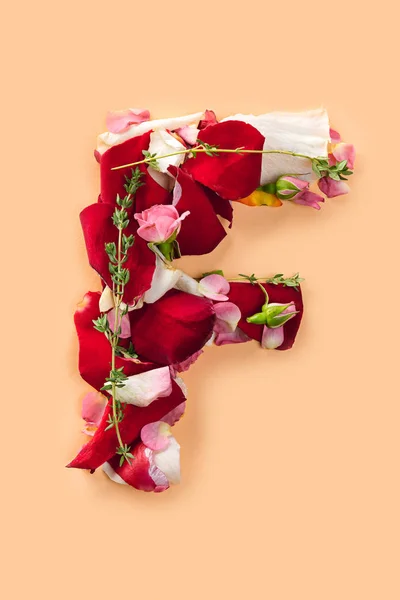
[(159, 223)]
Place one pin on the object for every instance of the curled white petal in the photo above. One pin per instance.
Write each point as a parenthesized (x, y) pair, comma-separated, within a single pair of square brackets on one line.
[(303, 132), (143, 389), (187, 284), (168, 461), (109, 471), (164, 279), (107, 140), (106, 301), (162, 143)]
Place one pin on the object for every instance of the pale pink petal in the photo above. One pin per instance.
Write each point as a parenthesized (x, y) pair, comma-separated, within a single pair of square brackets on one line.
[(272, 338), (164, 279), (124, 324), (93, 405), (184, 366), (145, 388), (228, 316), (335, 136), (345, 152), (175, 414), (189, 134), (332, 188), (120, 120), (214, 287), (237, 337), (156, 435)]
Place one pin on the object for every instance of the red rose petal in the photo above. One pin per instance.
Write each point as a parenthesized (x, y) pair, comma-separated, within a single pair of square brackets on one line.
[(95, 349), (98, 229), (136, 473), (232, 176), (201, 231), (112, 182), (104, 443), (249, 298), (173, 328)]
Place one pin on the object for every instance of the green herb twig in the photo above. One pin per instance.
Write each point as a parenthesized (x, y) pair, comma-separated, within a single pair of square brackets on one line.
[(202, 147), (277, 279), (120, 275)]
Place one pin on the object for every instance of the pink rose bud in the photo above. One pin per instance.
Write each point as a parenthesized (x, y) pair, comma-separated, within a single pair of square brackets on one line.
[(287, 188), (160, 223)]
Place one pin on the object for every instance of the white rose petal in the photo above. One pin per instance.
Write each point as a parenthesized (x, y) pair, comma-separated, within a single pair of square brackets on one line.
[(162, 143), (304, 133), (141, 390), (164, 279), (107, 139)]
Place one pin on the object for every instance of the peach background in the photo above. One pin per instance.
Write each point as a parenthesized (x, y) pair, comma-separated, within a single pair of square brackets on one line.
[(290, 460)]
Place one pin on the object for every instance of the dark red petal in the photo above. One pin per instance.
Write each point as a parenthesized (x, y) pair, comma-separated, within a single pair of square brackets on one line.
[(95, 349), (136, 473), (249, 298), (173, 328), (112, 182), (150, 193), (98, 229), (103, 444), (232, 176), (201, 231), (222, 207)]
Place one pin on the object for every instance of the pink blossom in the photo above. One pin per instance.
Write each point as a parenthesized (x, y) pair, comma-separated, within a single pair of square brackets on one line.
[(120, 120), (159, 223)]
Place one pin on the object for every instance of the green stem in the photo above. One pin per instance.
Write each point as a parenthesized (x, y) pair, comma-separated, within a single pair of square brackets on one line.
[(217, 151), (117, 295)]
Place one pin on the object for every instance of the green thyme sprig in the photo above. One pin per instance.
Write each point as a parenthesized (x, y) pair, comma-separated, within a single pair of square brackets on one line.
[(203, 147), (338, 172), (120, 275), (277, 279)]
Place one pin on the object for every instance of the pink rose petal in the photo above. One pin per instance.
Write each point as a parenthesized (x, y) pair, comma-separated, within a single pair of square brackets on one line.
[(309, 199), (124, 324), (335, 136), (184, 365), (332, 188), (272, 338), (345, 152), (188, 134), (156, 435), (175, 414), (214, 287), (93, 406), (120, 120), (228, 316), (237, 337)]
